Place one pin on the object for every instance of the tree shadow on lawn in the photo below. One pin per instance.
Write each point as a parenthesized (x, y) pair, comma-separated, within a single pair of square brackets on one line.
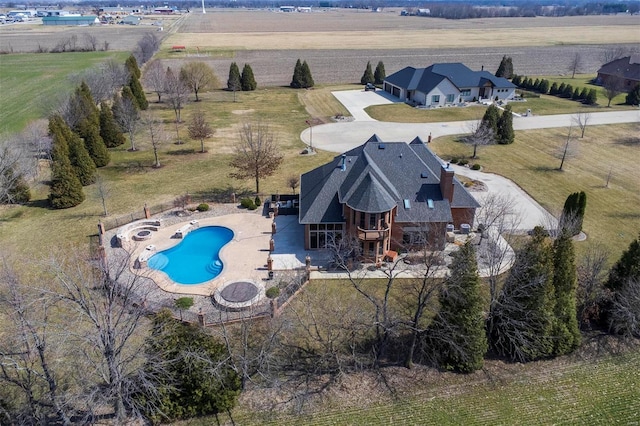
[(545, 169), (628, 141), (224, 195), (184, 151)]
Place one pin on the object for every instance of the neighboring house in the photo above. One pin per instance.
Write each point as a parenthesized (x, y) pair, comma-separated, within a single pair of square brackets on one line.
[(446, 84), (70, 20), (626, 70), (387, 195)]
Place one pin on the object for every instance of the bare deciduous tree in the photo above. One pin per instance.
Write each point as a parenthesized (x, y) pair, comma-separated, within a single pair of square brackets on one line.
[(154, 75), (575, 64), (624, 313), (146, 47), (581, 119), (105, 80), (591, 271), (127, 116), (176, 92), (568, 149), (92, 42), (155, 130), (612, 53), (103, 190), (613, 86), (481, 135), (257, 155), (199, 77), (292, 182), (199, 128)]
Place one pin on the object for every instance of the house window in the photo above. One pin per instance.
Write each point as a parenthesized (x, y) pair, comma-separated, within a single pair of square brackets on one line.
[(373, 221), (361, 219), (450, 98), (465, 92), (435, 99), (321, 235)]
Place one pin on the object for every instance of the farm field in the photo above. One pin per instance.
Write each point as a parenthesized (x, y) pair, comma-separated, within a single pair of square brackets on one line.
[(31, 84)]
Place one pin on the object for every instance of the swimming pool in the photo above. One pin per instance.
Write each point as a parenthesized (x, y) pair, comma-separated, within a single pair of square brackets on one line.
[(196, 259)]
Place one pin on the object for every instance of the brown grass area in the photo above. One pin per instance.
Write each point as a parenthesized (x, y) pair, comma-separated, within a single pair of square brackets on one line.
[(264, 30)]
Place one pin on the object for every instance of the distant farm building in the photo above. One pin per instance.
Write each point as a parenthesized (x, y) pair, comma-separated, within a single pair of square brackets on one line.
[(131, 20), (165, 10), (70, 20), (120, 10), (287, 8)]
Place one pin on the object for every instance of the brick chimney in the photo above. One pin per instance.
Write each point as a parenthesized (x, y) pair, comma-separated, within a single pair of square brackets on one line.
[(446, 182)]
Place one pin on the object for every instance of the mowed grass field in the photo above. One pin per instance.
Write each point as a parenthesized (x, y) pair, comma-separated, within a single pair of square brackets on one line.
[(32, 83)]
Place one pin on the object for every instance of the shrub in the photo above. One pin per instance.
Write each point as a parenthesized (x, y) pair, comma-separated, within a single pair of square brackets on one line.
[(454, 160), (463, 162), (248, 203), (272, 292), (257, 201), (476, 167), (202, 207)]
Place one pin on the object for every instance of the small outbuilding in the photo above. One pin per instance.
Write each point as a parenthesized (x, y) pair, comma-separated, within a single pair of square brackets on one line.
[(131, 20), (70, 20)]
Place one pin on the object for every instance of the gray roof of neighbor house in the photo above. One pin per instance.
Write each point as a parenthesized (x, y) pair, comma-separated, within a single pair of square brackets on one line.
[(426, 79), (627, 67), (377, 177)]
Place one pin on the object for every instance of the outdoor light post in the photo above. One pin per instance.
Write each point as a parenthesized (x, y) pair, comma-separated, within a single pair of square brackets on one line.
[(310, 135)]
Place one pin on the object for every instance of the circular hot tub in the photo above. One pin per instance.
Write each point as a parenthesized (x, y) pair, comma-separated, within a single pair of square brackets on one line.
[(239, 294)]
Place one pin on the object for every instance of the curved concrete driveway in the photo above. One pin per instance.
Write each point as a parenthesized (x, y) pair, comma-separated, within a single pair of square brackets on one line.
[(341, 137)]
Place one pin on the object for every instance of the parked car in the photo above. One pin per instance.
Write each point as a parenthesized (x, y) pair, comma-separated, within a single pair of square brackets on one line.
[(369, 87)]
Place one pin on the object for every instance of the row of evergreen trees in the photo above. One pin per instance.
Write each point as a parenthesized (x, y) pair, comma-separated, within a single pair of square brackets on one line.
[(245, 81), (563, 90), (80, 139), (500, 123), (302, 78), (375, 77)]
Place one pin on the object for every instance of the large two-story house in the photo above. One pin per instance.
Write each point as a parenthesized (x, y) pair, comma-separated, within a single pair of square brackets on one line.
[(446, 84), (387, 195)]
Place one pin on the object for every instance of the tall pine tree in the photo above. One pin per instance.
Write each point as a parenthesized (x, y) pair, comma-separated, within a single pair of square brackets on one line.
[(307, 77), (521, 323), (457, 335), (132, 66), (74, 149), (491, 118), (234, 81), (505, 69), (297, 81), (109, 129), (65, 187), (367, 77), (505, 135), (87, 125), (566, 332), (379, 74), (247, 81)]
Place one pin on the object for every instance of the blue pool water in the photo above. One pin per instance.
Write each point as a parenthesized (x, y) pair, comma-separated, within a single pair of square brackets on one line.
[(196, 258)]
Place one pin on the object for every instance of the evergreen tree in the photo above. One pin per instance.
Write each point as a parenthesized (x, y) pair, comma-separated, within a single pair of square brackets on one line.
[(568, 91), (132, 67), (94, 143), (138, 92), (516, 80), (307, 78), (80, 160), (583, 94), (566, 332), (633, 97), (627, 268), (576, 94), (367, 77), (505, 134), (109, 130), (491, 118), (544, 86), (457, 335), (379, 74), (197, 380), (561, 89), (536, 84), (521, 322), (233, 82), (297, 81), (573, 212), (505, 69), (529, 84), (592, 97), (247, 81), (65, 187), (554, 89)]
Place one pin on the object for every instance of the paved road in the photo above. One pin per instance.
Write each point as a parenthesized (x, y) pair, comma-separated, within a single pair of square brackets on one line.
[(340, 137)]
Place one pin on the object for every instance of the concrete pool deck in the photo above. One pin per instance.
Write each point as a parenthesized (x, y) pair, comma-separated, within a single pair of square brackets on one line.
[(244, 257)]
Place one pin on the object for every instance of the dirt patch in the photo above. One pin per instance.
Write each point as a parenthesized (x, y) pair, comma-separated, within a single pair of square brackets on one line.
[(242, 111)]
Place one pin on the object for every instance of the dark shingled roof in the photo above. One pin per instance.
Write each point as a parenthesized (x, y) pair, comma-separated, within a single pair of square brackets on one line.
[(627, 68), (376, 177), (426, 79)]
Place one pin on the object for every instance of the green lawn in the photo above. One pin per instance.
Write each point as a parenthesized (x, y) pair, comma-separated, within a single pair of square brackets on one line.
[(613, 214), (31, 83)]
